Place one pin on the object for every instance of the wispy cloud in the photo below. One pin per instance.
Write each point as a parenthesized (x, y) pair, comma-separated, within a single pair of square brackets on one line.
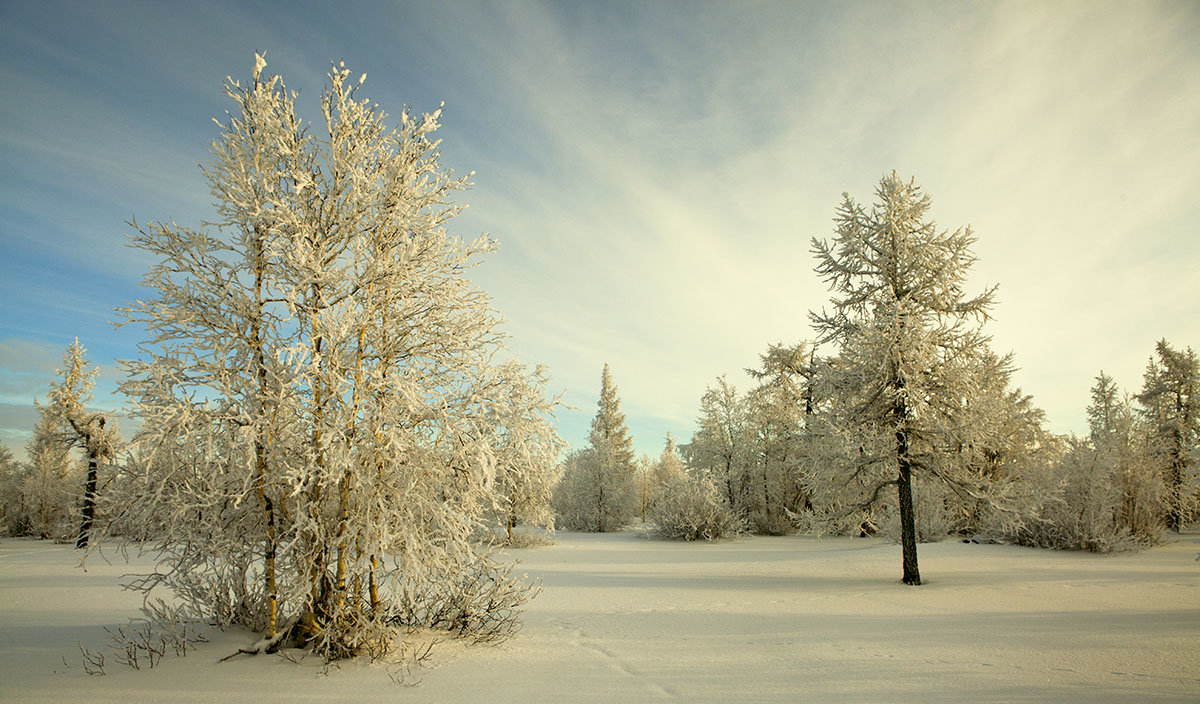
[(655, 171)]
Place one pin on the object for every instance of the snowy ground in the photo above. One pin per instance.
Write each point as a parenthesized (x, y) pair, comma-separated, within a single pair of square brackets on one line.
[(622, 618)]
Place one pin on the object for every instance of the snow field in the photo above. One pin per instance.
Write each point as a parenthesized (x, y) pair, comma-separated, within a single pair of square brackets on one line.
[(623, 618)]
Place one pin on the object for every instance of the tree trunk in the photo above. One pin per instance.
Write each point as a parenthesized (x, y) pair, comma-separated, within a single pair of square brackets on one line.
[(1176, 492), (89, 499), (908, 522)]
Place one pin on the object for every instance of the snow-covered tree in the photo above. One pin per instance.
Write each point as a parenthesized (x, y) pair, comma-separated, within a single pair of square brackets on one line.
[(669, 465), (526, 448), (692, 507), (910, 347), (70, 424), (643, 483), (1104, 410), (326, 422), (719, 445), (50, 486), (1170, 401), (994, 437), (1106, 492), (13, 513), (775, 418), (597, 491), (654, 475)]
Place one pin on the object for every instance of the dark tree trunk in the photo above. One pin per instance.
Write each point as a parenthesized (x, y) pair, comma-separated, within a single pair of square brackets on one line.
[(89, 501), (1175, 516), (908, 517)]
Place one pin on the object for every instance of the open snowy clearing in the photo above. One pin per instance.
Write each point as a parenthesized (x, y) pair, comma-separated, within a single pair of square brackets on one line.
[(623, 618)]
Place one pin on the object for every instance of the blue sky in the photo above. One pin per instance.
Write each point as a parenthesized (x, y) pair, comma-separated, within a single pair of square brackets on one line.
[(654, 171)]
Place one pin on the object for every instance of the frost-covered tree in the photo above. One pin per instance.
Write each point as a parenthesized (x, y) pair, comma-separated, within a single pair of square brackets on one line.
[(13, 513), (1104, 410), (655, 474), (669, 465), (994, 439), (643, 483), (50, 486), (597, 491), (609, 434), (1106, 492), (70, 424), (527, 449), (719, 445), (775, 416), (910, 346), (690, 507), (326, 422), (1170, 403)]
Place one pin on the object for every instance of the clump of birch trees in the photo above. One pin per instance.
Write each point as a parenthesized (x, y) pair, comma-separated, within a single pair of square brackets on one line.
[(328, 415)]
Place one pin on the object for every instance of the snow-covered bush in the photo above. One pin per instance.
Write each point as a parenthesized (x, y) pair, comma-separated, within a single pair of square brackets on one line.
[(1106, 493), (693, 508), (1098, 501)]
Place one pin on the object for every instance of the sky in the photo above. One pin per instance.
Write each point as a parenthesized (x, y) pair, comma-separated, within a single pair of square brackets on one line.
[(654, 171)]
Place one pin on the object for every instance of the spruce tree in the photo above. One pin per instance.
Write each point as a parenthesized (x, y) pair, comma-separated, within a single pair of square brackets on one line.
[(1170, 401), (610, 435), (719, 445), (598, 492)]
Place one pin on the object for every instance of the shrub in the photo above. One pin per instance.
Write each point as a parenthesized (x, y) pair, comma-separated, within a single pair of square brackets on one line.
[(690, 508)]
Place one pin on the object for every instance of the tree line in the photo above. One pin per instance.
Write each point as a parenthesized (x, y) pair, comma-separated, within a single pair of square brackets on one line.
[(908, 427)]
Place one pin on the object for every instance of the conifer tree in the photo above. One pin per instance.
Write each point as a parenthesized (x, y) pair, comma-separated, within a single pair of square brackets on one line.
[(1170, 401), (910, 347), (609, 435), (775, 415), (1103, 410), (597, 491), (718, 447), (670, 465), (655, 474)]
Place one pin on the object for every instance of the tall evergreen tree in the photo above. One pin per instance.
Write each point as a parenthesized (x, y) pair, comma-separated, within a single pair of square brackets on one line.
[(1103, 410), (598, 491), (1170, 401), (909, 348), (718, 447), (609, 434), (775, 415)]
